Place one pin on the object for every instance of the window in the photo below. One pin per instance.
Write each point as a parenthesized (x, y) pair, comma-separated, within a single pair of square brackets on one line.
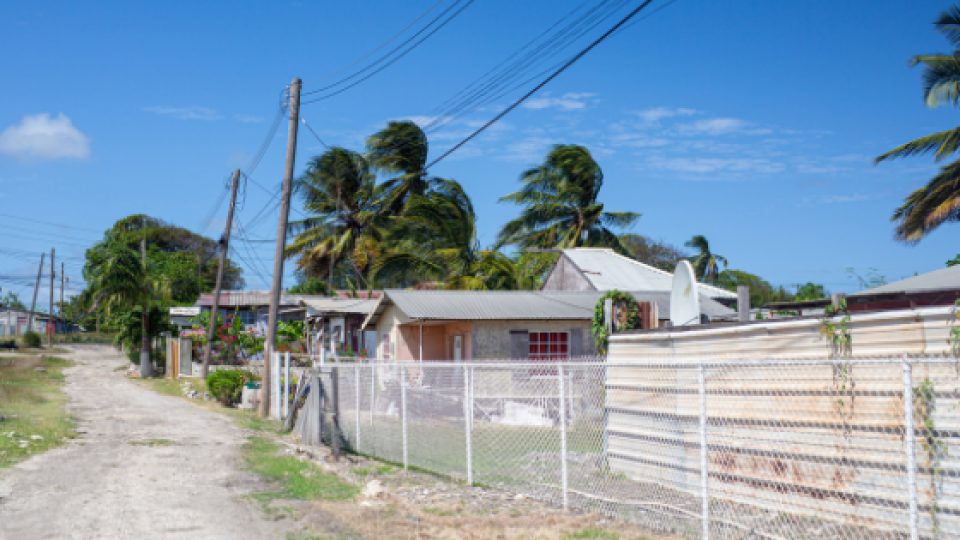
[(549, 346)]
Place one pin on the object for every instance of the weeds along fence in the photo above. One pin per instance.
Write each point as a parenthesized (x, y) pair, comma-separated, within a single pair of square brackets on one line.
[(804, 448)]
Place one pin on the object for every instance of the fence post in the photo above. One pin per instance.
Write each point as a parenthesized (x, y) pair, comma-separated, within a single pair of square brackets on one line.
[(335, 416), (563, 439), (704, 473), (403, 415), (275, 390), (286, 384), (356, 394), (373, 384), (909, 439), (468, 421)]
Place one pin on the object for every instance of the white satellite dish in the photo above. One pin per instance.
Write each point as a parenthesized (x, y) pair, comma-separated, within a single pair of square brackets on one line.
[(684, 298)]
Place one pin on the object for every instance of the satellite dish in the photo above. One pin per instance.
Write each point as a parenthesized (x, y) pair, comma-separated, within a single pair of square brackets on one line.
[(684, 298)]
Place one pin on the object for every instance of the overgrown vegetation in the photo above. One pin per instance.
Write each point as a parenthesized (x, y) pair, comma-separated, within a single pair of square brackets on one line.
[(32, 406), (833, 328), (296, 479), (226, 385), (31, 339), (626, 317)]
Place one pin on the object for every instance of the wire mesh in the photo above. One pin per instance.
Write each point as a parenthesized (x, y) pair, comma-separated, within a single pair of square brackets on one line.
[(719, 448)]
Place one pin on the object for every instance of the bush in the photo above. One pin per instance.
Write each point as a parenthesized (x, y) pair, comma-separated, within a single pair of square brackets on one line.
[(226, 385), (8, 344), (31, 339)]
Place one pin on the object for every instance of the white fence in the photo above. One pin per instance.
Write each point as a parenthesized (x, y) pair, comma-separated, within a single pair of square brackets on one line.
[(860, 448)]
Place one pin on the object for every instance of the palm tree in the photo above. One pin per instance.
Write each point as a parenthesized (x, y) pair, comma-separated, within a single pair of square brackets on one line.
[(436, 239), (560, 205), (939, 201), (117, 277), (401, 149), (705, 264), (341, 192)]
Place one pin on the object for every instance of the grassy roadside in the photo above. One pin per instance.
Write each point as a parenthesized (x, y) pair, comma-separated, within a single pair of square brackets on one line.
[(33, 405)]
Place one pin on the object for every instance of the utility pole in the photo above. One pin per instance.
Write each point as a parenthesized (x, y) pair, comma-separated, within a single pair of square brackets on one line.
[(53, 271), (62, 278), (294, 111), (224, 248), (36, 288), (146, 369)]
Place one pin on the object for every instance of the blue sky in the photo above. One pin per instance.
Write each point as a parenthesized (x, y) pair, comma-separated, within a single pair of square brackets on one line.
[(751, 122)]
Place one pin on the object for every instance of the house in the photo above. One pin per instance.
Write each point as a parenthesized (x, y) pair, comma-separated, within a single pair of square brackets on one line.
[(937, 288), (338, 321), (485, 325), (601, 269), (13, 322)]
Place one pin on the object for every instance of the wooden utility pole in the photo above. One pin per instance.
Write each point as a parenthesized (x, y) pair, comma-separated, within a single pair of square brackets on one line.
[(146, 369), (62, 278), (53, 272), (294, 111), (36, 288), (224, 248)]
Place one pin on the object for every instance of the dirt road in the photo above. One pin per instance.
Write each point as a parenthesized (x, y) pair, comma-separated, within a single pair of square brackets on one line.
[(147, 466)]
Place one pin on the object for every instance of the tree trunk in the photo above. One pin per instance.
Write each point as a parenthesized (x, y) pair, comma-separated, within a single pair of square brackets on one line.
[(146, 368)]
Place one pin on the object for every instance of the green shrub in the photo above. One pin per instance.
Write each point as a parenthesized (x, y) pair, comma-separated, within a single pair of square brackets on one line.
[(31, 339), (226, 385), (8, 344)]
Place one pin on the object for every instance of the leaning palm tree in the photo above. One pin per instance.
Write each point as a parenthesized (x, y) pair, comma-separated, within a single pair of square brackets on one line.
[(436, 240), (560, 205), (939, 201), (117, 277), (401, 149), (706, 264), (347, 223)]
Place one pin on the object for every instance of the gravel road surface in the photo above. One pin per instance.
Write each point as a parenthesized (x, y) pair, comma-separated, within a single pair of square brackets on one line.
[(147, 466)]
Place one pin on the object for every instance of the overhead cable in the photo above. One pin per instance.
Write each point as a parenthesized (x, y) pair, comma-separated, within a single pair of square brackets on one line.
[(546, 81)]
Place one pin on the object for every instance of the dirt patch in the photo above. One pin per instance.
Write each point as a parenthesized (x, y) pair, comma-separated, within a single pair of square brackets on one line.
[(410, 504), (19, 362)]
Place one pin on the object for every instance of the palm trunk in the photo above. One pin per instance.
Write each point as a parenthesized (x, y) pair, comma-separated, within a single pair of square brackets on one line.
[(146, 368)]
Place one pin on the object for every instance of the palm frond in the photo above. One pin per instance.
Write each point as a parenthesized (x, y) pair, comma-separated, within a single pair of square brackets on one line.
[(943, 143)]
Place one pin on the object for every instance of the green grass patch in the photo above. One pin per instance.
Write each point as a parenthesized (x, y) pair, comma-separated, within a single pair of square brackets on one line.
[(33, 405), (380, 469), (593, 533), (153, 442), (297, 479)]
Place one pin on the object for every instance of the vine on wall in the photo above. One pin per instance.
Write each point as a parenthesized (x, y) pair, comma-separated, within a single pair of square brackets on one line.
[(630, 320), (838, 338)]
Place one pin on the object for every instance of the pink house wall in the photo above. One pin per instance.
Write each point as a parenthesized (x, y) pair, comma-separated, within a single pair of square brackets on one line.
[(437, 341)]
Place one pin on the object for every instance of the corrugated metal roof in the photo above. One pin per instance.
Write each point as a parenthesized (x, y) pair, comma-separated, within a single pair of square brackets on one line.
[(606, 271), (320, 305), (944, 279), (516, 305)]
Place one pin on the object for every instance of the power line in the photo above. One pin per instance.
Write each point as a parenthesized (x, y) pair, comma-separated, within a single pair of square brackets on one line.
[(382, 45), (517, 103), (72, 227), (391, 61)]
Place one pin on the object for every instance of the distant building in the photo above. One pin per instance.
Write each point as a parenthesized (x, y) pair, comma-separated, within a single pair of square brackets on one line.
[(592, 269), (485, 325)]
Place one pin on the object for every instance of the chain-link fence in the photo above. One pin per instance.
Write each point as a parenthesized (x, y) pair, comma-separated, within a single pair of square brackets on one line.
[(858, 448)]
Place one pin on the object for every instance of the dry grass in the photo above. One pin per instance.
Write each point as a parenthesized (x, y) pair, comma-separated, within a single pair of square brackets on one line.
[(32, 403)]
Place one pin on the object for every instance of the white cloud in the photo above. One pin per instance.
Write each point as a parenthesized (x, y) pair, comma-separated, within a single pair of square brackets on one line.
[(248, 119), (186, 113), (567, 102), (652, 117), (856, 197), (720, 126), (715, 165), (42, 137)]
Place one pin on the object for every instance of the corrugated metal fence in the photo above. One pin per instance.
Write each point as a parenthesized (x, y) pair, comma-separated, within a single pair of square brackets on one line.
[(859, 448)]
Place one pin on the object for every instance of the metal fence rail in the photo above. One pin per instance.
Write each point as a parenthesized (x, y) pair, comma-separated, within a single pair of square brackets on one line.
[(859, 448)]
